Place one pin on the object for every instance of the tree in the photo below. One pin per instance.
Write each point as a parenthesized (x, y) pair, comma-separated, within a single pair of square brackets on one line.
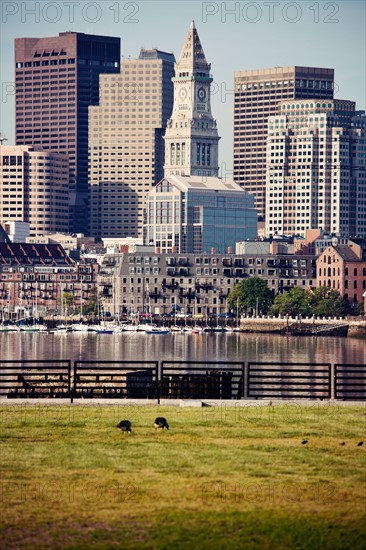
[(252, 293), (296, 301), (327, 302), (66, 300), (91, 306)]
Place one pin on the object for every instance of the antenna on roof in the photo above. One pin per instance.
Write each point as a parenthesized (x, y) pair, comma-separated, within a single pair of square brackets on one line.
[(2, 139)]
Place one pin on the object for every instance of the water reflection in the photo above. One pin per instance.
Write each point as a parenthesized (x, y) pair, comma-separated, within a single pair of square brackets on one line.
[(197, 347)]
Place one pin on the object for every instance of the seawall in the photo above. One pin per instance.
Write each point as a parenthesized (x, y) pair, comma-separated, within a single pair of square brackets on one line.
[(308, 326)]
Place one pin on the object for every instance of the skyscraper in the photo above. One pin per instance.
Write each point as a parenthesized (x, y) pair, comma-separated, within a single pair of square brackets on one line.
[(56, 79), (126, 147), (191, 209), (34, 187), (256, 97), (191, 138), (316, 169)]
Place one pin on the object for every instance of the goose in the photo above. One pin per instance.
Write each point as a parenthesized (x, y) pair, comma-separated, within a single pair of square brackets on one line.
[(160, 422), (125, 426)]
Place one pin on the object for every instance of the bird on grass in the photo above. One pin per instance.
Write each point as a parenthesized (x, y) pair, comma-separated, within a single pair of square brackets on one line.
[(343, 443), (125, 426), (304, 442), (160, 422), (360, 444)]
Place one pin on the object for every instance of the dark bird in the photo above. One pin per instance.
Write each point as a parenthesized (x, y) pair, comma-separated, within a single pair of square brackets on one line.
[(160, 422), (304, 442), (125, 426), (343, 443), (23, 381), (360, 444)]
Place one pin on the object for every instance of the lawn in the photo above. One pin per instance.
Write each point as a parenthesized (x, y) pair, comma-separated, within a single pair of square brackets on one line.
[(221, 477)]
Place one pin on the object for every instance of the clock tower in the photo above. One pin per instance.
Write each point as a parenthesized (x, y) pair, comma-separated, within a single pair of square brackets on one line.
[(191, 139)]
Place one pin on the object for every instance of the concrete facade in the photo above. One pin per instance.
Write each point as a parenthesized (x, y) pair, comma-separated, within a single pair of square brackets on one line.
[(316, 169), (257, 94), (34, 187), (126, 148)]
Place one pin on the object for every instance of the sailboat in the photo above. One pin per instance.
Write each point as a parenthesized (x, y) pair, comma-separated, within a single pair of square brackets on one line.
[(80, 327), (34, 327)]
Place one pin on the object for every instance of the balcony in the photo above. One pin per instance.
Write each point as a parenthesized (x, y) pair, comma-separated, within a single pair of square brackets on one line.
[(204, 285), (171, 285), (187, 293)]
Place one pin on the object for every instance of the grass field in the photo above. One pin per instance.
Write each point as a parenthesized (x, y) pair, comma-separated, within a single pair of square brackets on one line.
[(221, 477)]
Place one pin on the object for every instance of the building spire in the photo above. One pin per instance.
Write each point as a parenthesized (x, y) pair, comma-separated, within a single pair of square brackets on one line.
[(192, 58)]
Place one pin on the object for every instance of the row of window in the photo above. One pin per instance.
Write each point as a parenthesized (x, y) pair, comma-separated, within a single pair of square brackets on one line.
[(43, 63)]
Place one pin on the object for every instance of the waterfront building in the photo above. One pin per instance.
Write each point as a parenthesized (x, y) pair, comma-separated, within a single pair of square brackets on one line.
[(33, 277), (34, 186), (56, 79), (343, 268), (257, 94), (191, 138), (316, 169), (194, 214), (193, 283), (126, 146)]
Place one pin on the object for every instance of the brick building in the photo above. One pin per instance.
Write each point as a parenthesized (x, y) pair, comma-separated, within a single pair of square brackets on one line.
[(33, 277), (343, 268)]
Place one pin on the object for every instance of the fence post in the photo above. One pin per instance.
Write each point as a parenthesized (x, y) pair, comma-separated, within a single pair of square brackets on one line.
[(158, 380), (71, 391), (246, 385), (332, 381)]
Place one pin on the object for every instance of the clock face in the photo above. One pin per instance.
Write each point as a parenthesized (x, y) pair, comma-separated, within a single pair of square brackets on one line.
[(182, 93), (201, 94)]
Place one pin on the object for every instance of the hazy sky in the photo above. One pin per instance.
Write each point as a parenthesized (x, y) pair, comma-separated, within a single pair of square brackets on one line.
[(235, 36)]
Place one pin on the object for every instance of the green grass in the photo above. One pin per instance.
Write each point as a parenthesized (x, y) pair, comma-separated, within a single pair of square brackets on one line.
[(221, 477)]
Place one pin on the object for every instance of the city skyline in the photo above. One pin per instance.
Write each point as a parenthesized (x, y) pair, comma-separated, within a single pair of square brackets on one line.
[(320, 34)]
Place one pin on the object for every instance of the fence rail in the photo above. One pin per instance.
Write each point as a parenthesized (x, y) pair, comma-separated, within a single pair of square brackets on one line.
[(289, 380), (181, 380), (202, 379), (116, 379), (349, 381), (35, 379)]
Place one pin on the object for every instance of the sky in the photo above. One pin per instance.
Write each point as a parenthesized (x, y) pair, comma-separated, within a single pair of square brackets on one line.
[(235, 36)]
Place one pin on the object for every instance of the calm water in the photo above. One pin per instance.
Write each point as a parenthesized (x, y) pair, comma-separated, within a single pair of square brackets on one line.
[(234, 347)]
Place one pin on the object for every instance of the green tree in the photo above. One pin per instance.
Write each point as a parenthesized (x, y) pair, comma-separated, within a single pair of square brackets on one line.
[(91, 306), (66, 301), (252, 293), (327, 302), (296, 301)]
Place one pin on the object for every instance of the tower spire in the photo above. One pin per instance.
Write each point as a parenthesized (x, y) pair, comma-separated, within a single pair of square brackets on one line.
[(191, 139), (192, 57)]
